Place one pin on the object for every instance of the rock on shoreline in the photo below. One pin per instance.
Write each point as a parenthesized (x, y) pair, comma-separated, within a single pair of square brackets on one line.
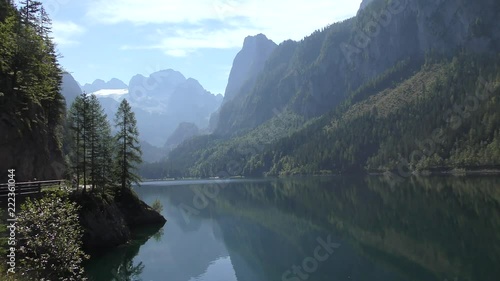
[(107, 222)]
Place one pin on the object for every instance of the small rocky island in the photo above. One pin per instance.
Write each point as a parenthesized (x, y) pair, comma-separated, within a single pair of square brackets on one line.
[(108, 222)]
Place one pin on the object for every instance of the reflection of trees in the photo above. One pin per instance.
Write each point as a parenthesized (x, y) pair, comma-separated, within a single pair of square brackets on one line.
[(158, 235), (121, 260), (127, 271), (424, 228)]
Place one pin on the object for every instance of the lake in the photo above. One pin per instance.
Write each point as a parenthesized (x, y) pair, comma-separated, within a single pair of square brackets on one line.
[(315, 228)]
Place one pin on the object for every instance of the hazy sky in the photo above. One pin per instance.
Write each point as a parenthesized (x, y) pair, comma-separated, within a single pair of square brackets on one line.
[(120, 38)]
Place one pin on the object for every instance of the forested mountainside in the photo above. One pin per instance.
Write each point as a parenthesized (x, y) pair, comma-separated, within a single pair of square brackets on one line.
[(443, 116), (31, 106), (394, 87), (315, 75)]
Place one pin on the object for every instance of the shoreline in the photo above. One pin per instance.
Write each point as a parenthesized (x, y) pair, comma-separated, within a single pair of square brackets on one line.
[(423, 173), (479, 171)]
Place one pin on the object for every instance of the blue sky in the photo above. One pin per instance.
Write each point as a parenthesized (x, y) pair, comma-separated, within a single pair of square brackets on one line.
[(104, 39)]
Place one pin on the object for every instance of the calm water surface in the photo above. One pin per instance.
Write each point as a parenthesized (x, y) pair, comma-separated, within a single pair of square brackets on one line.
[(338, 228)]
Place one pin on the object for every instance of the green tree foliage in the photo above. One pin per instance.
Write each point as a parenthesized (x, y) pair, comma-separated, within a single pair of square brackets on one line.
[(30, 78), (29, 10), (91, 142), (454, 100), (128, 151), (73, 134), (157, 206), (29, 69), (50, 236), (100, 144)]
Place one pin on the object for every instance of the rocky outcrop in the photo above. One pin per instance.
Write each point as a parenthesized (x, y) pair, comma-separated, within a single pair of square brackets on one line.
[(247, 66), (103, 223), (32, 150), (364, 4), (137, 213), (69, 89), (108, 222), (248, 63)]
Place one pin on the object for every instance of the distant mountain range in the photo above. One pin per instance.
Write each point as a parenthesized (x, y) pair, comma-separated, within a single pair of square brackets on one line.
[(171, 108), (161, 102)]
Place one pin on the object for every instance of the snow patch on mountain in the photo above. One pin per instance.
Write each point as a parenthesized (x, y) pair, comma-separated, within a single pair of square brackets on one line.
[(116, 94)]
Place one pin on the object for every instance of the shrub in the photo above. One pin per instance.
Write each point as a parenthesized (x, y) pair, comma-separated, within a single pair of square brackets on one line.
[(157, 206), (50, 239)]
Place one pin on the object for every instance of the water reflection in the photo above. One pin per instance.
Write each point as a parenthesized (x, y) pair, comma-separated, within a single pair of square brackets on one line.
[(422, 229), (120, 265)]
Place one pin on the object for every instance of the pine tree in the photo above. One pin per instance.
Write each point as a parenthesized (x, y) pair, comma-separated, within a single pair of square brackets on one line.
[(128, 150), (29, 10), (85, 137), (105, 151), (44, 27), (99, 144), (78, 119), (74, 125)]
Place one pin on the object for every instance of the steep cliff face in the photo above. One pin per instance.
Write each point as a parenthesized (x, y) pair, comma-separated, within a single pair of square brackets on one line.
[(70, 88), (248, 63), (313, 76), (364, 4), (31, 151), (247, 66)]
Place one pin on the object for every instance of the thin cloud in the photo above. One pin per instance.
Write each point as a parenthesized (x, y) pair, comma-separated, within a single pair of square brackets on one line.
[(220, 24), (176, 53), (66, 32), (183, 42)]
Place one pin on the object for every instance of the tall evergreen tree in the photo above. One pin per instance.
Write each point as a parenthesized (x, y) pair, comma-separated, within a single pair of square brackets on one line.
[(128, 150), (99, 144), (105, 152), (75, 126), (29, 10)]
